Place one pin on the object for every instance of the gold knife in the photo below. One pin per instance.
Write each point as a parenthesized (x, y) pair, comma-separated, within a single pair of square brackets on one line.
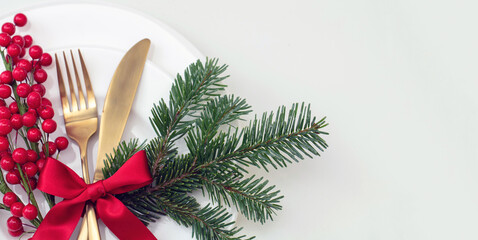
[(116, 109)]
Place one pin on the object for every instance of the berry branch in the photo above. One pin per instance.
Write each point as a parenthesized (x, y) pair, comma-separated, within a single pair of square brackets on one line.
[(26, 112)]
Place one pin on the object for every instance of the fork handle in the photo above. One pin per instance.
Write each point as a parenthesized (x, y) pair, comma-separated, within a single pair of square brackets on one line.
[(92, 224), (83, 235)]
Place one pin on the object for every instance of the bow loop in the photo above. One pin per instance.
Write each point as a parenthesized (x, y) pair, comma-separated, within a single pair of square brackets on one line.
[(121, 181), (59, 180), (70, 186)]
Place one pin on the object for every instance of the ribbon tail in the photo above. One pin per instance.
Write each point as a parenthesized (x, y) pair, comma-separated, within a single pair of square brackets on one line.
[(60, 222), (120, 220)]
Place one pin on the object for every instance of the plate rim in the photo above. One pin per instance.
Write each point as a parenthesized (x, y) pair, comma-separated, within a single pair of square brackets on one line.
[(175, 34)]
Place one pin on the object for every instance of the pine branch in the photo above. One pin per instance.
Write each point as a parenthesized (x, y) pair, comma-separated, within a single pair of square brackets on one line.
[(275, 141), (252, 197), (207, 223), (177, 175), (143, 204), (178, 206), (211, 223), (219, 155), (187, 95), (218, 112), (120, 155), (269, 141)]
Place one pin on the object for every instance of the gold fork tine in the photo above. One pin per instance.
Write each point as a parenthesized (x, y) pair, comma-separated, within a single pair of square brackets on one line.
[(89, 89), (61, 86), (81, 97), (74, 104)]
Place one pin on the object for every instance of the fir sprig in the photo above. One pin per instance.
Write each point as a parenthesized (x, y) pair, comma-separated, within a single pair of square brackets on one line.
[(218, 156), (253, 196), (188, 95)]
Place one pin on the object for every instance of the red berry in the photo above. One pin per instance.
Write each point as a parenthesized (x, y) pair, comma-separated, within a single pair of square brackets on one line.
[(29, 119), (46, 112), (30, 212), (5, 153), (19, 155), (36, 64), (5, 91), (8, 28), (33, 100), (20, 19), (40, 75), (14, 223), (28, 41), (9, 198), (2, 103), (16, 233), (23, 89), (32, 156), (4, 144), (13, 177), (39, 88), (32, 111), (35, 51), (7, 163), (41, 163), (13, 106), (25, 64), (34, 134), (6, 77), (4, 39), (30, 169), (46, 102), (18, 40), (51, 148), (16, 209), (22, 53), (19, 74), (5, 127), (61, 143), (46, 59), (32, 183), (48, 126), (5, 113), (14, 50), (16, 121)]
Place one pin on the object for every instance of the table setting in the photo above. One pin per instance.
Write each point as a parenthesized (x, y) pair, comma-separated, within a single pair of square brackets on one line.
[(238, 120), (134, 183)]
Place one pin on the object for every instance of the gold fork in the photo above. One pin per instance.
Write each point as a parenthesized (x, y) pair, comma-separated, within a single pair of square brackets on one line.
[(81, 121)]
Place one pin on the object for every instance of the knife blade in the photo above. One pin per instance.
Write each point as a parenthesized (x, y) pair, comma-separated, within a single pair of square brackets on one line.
[(118, 102), (116, 109)]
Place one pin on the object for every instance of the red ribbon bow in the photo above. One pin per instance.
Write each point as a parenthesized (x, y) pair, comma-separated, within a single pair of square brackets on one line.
[(59, 180)]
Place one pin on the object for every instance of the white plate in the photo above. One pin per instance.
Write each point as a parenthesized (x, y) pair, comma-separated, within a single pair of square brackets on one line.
[(105, 33)]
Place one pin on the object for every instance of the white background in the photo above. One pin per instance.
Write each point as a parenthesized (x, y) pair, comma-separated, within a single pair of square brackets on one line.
[(397, 82)]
